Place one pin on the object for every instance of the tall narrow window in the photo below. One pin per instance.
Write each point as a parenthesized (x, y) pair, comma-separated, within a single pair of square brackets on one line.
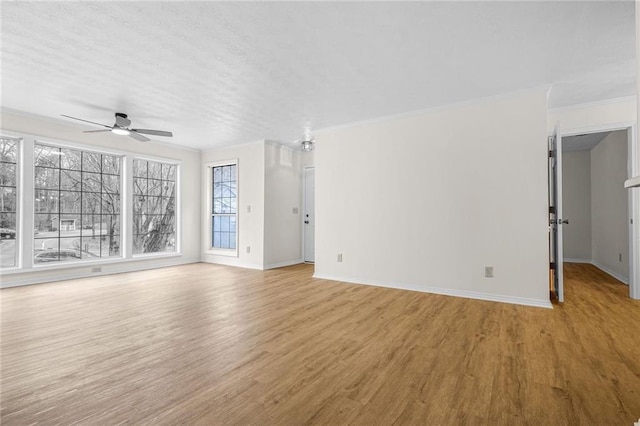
[(76, 204), (224, 207), (8, 201), (154, 201)]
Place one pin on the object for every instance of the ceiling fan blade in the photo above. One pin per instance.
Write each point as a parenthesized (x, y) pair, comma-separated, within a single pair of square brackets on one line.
[(153, 132), (122, 121), (96, 131), (137, 136), (86, 121)]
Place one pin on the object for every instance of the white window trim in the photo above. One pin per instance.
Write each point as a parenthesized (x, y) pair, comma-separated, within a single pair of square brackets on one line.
[(25, 205), (209, 249), (17, 259)]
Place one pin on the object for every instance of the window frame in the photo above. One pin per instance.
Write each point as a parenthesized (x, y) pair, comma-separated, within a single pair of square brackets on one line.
[(17, 257), (209, 209), (123, 205), (26, 205), (177, 206)]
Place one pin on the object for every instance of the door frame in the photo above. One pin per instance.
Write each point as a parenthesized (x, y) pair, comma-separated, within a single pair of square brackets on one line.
[(304, 204), (633, 169)]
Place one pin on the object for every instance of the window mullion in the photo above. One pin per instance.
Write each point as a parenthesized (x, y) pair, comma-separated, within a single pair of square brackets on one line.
[(26, 203)]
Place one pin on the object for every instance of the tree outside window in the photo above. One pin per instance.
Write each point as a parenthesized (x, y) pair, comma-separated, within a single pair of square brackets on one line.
[(154, 214)]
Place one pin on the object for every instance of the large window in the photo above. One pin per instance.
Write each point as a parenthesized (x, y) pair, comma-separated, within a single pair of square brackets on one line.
[(154, 200), (8, 200), (224, 207), (76, 204)]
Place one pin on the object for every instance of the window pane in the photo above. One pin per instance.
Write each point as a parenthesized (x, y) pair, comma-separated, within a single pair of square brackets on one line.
[(110, 224), (70, 180), (154, 187), (91, 182), (139, 168), (7, 199), (216, 239), (232, 240), (168, 188), (91, 226), (8, 240), (7, 174), (46, 225), (111, 184), (168, 172), (47, 178), (139, 205), (110, 246), (70, 202), (91, 203), (154, 205), (69, 225), (111, 164), (91, 162), (140, 186), (154, 170), (46, 156), (46, 201), (110, 204), (9, 149), (71, 159)]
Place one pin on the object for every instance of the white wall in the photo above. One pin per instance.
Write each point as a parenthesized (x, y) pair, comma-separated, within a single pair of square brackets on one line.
[(56, 130), (583, 117), (283, 194), (426, 201), (609, 205), (251, 186), (576, 192)]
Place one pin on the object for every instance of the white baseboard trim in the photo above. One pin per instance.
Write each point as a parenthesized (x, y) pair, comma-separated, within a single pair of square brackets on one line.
[(446, 292), (232, 261), (41, 277), (568, 260), (283, 264), (610, 272)]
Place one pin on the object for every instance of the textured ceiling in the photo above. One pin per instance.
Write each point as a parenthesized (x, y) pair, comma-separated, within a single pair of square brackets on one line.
[(224, 73)]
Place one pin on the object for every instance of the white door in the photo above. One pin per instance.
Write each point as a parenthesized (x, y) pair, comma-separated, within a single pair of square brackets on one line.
[(309, 214), (556, 220)]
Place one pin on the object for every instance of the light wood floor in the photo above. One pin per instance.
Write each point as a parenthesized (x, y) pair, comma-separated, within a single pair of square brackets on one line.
[(207, 344)]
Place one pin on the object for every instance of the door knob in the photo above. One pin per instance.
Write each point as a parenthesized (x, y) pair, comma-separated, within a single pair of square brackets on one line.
[(565, 221), (306, 221)]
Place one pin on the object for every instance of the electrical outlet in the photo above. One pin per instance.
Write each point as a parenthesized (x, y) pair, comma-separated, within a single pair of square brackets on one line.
[(619, 257), (295, 210), (248, 209), (488, 271), (248, 249), (96, 269), (339, 257)]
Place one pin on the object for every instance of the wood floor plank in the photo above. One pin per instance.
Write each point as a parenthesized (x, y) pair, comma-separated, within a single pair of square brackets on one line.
[(210, 344)]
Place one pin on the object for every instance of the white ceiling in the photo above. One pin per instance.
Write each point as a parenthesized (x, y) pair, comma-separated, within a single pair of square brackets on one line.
[(584, 142), (224, 73)]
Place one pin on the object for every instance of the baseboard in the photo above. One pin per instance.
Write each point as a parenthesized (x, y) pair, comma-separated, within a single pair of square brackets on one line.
[(577, 260), (514, 300), (35, 276), (283, 264), (610, 272), (231, 261)]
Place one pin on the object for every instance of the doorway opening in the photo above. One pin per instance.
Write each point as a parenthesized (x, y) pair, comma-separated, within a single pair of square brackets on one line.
[(592, 216), (309, 219)]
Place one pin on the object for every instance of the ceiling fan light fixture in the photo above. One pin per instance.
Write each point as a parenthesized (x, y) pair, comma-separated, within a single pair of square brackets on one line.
[(120, 131), (307, 145)]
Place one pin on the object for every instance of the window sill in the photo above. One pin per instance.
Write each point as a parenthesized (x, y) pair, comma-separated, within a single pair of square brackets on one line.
[(70, 265), (222, 252)]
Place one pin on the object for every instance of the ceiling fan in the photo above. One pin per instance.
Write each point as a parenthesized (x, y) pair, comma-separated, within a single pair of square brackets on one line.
[(121, 127)]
